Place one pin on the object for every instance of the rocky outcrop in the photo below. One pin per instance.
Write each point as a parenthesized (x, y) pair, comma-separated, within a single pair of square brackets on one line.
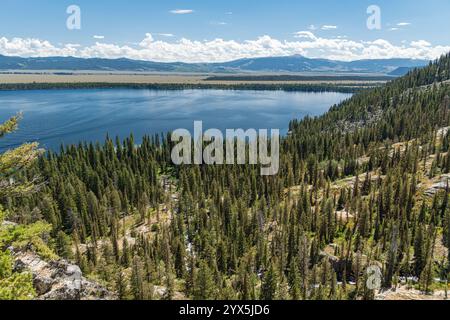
[(7, 224), (440, 185), (59, 280), (404, 293)]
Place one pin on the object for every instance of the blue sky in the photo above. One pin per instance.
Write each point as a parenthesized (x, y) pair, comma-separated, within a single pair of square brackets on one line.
[(133, 28)]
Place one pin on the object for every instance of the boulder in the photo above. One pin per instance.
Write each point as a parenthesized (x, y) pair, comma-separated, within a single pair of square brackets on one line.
[(59, 280)]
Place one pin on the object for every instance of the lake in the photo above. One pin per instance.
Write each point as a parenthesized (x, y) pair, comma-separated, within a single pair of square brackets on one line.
[(55, 117)]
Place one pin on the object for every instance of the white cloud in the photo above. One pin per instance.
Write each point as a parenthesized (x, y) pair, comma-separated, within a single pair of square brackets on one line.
[(306, 43), (99, 37), (305, 35), (312, 27), (403, 24), (34, 47), (182, 11), (169, 35), (394, 29), (147, 40), (420, 44), (329, 27)]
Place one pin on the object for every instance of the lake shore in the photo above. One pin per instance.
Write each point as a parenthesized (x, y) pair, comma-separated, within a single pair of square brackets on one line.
[(146, 78), (48, 81)]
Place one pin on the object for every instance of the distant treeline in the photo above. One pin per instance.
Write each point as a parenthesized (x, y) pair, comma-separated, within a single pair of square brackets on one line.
[(347, 88), (298, 78)]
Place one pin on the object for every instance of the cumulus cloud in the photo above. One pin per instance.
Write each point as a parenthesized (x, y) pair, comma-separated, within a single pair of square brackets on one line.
[(147, 40), (34, 47), (182, 11), (305, 43), (99, 37), (420, 44)]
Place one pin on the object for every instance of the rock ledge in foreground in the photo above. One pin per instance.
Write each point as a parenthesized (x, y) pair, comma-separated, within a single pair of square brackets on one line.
[(59, 280)]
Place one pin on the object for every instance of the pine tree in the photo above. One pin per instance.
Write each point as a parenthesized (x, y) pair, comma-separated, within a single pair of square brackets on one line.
[(269, 285), (125, 253), (16, 160), (121, 286), (419, 255), (204, 283), (63, 245), (137, 279)]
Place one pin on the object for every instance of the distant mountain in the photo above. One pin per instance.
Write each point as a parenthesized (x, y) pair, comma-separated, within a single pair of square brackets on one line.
[(288, 64), (93, 64), (302, 64), (400, 71)]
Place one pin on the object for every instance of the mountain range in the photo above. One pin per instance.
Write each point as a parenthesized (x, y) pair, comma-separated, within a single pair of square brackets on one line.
[(288, 64)]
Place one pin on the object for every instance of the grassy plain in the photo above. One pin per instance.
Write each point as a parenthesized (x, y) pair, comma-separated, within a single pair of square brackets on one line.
[(13, 78)]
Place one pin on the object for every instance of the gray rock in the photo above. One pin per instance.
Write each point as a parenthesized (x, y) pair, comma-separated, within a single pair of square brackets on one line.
[(43, 284), (7, 224), (59, 280), (439, 186)]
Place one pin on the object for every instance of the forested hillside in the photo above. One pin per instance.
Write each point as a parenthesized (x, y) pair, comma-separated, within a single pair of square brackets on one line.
[(366, 184)]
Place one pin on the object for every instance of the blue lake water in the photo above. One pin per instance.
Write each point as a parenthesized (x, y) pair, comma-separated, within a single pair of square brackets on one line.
[(55, 117)]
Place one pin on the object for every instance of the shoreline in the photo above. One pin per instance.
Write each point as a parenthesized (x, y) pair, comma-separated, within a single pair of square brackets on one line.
[(304, 83), (254, 86)]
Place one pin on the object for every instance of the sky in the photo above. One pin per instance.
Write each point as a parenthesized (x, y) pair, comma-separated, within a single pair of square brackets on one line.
[(215, 31)]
